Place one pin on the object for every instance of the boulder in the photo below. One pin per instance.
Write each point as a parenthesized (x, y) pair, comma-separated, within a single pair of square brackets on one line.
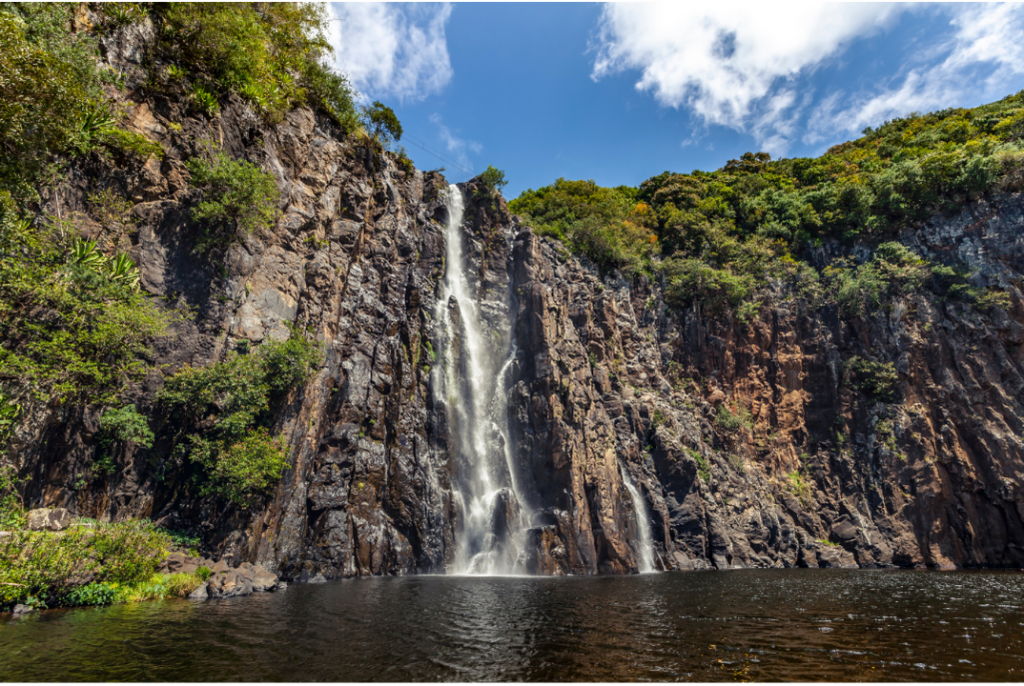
[(46, 519), (23, 609), (228, 585), (199, 594), (179, 563), (263, 580), (246, 570)]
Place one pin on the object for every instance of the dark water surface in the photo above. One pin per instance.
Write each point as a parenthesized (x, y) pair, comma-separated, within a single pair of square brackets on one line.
[(739, 625)]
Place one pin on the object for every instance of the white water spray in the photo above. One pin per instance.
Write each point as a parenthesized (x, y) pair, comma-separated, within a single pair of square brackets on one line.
[(645, 554), (472, 381)]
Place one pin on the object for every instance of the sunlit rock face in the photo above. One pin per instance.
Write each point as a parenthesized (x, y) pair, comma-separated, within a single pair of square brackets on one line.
[(503, 407)]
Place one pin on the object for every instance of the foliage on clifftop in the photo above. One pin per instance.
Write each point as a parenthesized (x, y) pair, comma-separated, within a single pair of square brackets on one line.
[(724, 235)]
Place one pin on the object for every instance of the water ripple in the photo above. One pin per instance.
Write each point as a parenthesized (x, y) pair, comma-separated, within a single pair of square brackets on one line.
[(804, 625)]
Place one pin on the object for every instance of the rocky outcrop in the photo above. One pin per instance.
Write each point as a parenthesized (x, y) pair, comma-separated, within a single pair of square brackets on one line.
[(48, 519), (746, 444), (230, 582)]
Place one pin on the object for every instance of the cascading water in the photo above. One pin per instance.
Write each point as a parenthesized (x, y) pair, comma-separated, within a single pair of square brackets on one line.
[(472, 381), (645, 552)]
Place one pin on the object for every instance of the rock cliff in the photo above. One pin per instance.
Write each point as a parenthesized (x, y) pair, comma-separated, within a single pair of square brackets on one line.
[(746, 445)]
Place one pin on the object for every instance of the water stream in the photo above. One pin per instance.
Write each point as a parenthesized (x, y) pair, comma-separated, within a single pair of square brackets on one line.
[(475, 358), (645, 552)]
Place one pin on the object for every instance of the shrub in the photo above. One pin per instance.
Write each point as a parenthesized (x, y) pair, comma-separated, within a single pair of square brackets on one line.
[(91, 594), (72, 321), (48, 565), (10, 412), (274, 55), (50, 82), (205, 101), (800, 488), (126, 425), (224, 410), (605, 224), (693, 280), (731, 422), (236, 194), (248, 468), (131, 143), (703, 468), (875, 379), (12, 510), (181, 584)]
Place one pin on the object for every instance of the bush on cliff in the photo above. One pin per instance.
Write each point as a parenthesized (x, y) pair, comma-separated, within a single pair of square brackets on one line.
[(604, 224), (238, 196), (223, 412), (274, 55), (73, 326)]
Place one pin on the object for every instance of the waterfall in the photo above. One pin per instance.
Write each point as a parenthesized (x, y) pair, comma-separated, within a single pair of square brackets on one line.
[(645, 552), (471, 381)]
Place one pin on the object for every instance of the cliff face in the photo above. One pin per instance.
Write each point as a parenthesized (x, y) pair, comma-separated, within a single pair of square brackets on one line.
[(608, 383)]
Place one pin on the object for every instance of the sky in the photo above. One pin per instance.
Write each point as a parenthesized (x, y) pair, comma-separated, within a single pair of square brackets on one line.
[(618, 93)]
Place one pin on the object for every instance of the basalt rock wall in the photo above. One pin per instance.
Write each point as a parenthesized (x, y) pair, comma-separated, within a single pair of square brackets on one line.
[(607, 378)]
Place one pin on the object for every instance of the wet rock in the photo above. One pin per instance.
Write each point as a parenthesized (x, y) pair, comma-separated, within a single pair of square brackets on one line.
[(201, 593), (263, 580), (228, 584), (47, 519), (23, 609)]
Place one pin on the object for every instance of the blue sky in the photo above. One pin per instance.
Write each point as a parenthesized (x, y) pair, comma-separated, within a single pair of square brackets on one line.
[(620, 92)]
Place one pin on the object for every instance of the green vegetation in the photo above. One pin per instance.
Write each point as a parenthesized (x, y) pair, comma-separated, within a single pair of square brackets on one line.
[(493, 179), (273, 55), (382, 125), (123, 426), (73, 325), (606, 225), (797, 483), (223, 412), (724, 236), (238, 196), (43, 567), (98, 564), (730, 421), (703, 468), (877, 380), (12, 510)]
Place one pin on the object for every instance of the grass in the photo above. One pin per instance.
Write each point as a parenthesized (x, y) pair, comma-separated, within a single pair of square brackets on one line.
[(800, 488)]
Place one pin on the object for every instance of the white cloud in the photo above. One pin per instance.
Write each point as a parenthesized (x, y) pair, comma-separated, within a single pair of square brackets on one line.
[(458, 147), (392, 50), (747, 66), (981, 60)]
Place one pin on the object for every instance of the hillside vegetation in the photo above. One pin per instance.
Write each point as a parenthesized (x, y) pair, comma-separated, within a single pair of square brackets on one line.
[(719, 238)]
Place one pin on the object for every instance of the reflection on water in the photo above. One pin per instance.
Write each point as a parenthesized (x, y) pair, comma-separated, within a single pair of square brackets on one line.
[(805, 625)]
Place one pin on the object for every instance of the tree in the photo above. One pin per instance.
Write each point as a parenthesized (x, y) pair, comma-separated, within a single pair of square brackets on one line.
[(382, 124), (494, 179)]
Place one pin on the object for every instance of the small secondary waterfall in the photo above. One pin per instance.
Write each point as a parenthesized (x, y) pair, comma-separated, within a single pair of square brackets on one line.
[(475, 360), (645, 554)]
